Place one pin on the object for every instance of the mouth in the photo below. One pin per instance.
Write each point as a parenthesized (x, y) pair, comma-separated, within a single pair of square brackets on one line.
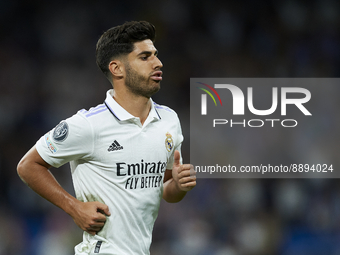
[(156, 76)]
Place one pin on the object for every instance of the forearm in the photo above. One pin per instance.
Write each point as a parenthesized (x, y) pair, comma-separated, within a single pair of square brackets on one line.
[(172, 193), (41, 180), (33, 170)]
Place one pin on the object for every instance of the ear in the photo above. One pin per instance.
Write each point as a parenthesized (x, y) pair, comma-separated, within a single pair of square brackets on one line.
[(116, 68)]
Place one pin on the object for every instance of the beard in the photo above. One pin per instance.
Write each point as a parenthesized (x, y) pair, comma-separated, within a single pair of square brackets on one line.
[(140, 85)]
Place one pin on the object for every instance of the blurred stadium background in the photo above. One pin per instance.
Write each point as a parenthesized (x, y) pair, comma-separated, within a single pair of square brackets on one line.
[(48, 72)]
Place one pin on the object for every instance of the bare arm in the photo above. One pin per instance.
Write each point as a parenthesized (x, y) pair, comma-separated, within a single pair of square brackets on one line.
[(178, 181), (33, 170)]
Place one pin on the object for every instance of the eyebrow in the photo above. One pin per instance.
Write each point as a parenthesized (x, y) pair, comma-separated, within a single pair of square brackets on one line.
[(147, 53)]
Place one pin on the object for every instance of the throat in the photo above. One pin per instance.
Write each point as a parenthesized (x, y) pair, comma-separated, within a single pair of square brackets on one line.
[(137, 106)]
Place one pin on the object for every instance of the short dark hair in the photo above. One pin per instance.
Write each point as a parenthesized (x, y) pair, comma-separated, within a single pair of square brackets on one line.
[(118, 41)]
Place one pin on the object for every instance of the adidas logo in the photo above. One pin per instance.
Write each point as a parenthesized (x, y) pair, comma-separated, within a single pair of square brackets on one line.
[(115, 146)]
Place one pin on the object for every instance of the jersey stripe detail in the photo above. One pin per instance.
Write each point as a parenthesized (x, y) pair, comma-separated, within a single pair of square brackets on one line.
[(97, 108), (157, 106), (159, 116), (92, 109), (95, 112), (108, 107)]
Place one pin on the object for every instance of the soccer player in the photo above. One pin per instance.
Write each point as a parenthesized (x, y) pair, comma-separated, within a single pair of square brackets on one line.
[(124, 154)]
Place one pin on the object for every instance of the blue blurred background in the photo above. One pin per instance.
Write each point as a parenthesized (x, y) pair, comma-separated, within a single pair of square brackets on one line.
[(48, 72)]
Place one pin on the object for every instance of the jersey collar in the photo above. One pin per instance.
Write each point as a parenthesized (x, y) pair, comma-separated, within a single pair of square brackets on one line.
[(121, 114)]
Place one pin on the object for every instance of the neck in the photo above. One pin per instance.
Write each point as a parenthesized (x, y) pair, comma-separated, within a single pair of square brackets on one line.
[(137, 106)]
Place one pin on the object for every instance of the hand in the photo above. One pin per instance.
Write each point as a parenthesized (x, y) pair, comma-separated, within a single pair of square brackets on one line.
[(183, 175), (90, 216)]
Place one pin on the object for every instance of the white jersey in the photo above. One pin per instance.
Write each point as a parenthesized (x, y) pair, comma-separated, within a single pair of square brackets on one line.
[(120, 162)]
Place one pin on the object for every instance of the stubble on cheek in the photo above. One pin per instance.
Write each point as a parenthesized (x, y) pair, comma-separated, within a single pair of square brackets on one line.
[(139, 84)]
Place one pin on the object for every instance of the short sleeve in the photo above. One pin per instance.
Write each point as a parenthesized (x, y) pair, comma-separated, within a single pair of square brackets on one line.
[(71, 139), (178, 144)]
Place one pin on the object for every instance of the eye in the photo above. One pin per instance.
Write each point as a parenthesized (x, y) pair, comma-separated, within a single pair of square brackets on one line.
[(144, 58)]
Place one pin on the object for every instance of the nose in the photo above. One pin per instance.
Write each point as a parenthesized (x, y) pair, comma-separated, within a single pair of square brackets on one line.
[(158, 64)]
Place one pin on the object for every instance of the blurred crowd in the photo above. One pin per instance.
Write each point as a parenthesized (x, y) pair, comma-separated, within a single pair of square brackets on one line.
[(48, 73)]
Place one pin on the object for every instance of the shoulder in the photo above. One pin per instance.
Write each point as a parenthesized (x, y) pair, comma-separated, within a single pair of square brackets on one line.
[(165, 111), (95, 116), (84, 121), (93, 111)]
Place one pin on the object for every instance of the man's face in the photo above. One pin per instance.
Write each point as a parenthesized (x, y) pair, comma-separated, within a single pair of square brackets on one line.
[(142, 69)]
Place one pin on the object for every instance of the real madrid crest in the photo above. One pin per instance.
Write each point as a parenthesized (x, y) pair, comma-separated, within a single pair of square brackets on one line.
[(169, 143)]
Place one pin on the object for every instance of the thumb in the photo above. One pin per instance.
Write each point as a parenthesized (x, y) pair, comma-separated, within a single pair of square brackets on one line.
[(103, 208), (177, 157)]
